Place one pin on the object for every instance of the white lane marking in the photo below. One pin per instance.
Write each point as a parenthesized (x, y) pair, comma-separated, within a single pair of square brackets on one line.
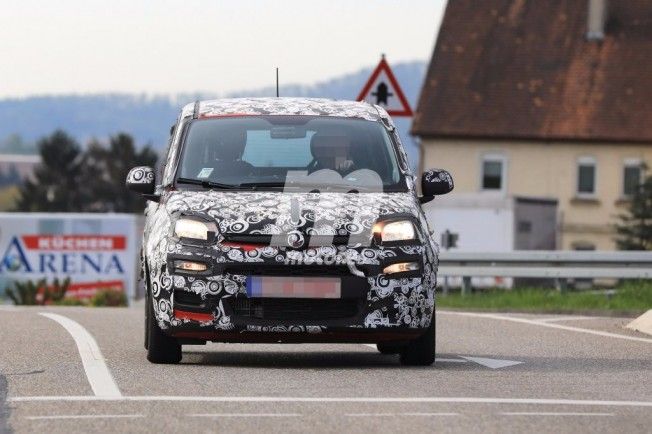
[(246, 415), (543, 324), (565, 318), (492, 363), (432, 399), (398, 414), (85, 416), (535, 413), (97, 373), (438, 359)]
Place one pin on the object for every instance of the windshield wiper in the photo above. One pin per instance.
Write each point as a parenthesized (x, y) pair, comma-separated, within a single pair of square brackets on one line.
[(306, 185), (275, 184), (206, 184)]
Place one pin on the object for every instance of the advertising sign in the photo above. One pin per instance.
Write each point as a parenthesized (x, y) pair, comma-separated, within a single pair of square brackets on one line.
[(96, 251)]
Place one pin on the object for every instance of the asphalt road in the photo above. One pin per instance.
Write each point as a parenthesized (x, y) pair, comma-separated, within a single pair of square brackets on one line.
[(495, 373)]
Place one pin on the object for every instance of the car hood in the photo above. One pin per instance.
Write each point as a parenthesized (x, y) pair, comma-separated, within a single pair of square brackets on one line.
[(280, 212)]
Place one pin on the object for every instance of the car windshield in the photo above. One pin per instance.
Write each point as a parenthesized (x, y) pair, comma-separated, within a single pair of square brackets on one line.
[(312, 152)]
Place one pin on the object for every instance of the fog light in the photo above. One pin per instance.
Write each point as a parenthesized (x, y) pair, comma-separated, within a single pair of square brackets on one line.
[(401, 267), (190, 266)]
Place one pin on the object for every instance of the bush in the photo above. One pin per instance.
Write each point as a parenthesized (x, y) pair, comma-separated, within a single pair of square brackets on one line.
[(26, 293), (109, 297), (69, 301), (30, 293)]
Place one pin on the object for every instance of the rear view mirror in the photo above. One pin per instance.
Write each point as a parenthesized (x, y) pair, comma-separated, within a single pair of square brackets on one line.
[(141, 180), (435, 182), (287, 132)]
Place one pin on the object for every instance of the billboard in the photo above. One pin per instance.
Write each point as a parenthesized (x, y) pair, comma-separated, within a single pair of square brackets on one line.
[(97, 251)]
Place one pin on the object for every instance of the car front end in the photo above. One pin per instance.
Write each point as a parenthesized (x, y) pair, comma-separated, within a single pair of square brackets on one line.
[(369, 274)]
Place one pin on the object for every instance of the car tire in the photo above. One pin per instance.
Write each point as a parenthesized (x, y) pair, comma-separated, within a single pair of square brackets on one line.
[(146, 328), (161, 348), (389, 348), (421, 351)]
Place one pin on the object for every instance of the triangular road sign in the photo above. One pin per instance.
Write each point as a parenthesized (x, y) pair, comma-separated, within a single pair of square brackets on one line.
[(383, 89)]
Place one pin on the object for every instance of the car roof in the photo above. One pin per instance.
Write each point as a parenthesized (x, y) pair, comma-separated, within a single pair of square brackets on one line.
[(288, 107)]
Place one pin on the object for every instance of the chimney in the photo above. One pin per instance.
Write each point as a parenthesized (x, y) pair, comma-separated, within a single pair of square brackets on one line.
[(596, 19)]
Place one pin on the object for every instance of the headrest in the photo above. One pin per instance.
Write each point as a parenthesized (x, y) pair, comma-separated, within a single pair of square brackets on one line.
[(232, 142)]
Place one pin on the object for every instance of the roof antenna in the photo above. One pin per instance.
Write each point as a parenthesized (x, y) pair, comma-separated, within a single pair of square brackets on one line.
[(276, 82)]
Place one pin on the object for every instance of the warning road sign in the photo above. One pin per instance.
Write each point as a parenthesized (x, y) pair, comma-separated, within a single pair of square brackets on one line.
[(383, 89)]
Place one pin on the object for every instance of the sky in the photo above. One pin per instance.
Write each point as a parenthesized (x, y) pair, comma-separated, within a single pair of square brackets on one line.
[(216, 46)]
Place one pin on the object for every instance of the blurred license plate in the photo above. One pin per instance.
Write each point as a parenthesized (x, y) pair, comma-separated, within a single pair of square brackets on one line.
[(293, 287)]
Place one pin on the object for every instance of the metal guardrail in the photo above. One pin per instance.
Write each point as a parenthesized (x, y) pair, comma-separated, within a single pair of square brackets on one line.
[(551, 264)]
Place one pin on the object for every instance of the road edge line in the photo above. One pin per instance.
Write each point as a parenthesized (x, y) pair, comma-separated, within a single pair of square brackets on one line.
[(311, 399), (546, 324)]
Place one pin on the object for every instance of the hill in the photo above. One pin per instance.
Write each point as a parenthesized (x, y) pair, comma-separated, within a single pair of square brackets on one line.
[(148, 118)]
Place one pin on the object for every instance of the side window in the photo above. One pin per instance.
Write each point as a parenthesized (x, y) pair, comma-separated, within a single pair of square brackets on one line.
[(632, 176), (163, 161), (586, 175), (170, 158), (493, 173)]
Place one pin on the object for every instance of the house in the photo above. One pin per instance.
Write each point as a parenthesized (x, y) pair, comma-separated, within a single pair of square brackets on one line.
[(548, 99)]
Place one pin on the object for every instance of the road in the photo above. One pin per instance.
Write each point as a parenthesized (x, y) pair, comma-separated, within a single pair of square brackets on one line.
[(80, 369)]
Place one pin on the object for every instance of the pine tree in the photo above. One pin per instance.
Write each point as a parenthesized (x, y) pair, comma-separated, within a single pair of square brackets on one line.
[(93, 180), (54, 187)]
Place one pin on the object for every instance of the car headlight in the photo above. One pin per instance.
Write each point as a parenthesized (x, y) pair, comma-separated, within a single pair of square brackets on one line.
[(194, 229), (401, 230)]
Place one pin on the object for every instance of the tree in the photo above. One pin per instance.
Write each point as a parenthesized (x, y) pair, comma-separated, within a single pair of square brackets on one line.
[(635, 226), (54, 187), (71, 180), (105, 170)]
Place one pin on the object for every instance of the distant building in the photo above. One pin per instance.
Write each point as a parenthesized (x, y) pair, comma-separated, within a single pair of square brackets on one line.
[(21, 165), (548, 99)]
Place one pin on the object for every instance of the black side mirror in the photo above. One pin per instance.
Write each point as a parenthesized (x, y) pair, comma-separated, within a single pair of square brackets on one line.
[(435, 182), (141, 180)]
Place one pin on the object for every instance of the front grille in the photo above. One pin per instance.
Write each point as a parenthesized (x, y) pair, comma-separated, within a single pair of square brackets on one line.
[(315, 240), (294, 309), (259, 269)]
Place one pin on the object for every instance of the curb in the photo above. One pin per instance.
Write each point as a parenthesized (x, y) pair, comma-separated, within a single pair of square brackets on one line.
[(643, 323)]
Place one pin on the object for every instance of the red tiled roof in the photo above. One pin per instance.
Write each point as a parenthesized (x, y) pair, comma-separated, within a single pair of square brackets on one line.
[(525, 69)]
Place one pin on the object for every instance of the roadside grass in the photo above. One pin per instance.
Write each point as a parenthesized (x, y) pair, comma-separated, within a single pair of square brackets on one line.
[(632, 297)]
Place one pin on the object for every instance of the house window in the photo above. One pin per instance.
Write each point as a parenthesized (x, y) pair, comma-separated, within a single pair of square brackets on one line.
[(493, 173), (586, 170), (632, 176)]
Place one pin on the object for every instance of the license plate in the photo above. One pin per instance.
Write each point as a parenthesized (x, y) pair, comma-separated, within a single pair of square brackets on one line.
[(293, 287)]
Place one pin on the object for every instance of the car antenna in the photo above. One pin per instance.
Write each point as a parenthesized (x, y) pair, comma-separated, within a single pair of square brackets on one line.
[(277, 95)]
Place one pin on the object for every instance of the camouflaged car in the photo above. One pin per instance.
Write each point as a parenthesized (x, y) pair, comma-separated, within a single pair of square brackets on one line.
[(288, 220)]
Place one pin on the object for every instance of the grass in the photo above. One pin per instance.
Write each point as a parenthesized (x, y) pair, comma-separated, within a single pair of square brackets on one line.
[(629, 297)]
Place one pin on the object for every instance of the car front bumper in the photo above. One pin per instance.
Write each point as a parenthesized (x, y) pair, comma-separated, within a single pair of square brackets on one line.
[(213, 305)]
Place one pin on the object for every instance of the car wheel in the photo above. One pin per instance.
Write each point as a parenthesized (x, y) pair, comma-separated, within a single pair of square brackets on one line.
[(161, 348), (421, 351), (389, 348)]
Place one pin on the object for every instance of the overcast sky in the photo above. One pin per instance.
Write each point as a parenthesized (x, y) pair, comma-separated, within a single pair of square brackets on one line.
[(166, 46)]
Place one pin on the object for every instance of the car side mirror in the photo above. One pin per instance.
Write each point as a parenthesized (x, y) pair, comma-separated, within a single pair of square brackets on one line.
[(435, 182), (141, 180)]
